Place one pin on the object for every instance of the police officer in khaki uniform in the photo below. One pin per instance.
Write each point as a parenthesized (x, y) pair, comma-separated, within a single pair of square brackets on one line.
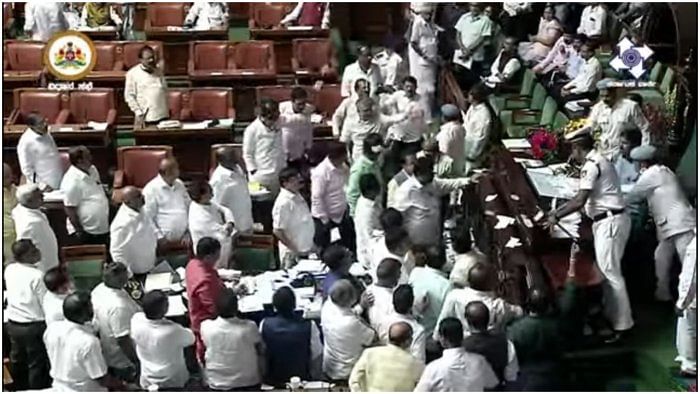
[(672, 213), (602, 199)]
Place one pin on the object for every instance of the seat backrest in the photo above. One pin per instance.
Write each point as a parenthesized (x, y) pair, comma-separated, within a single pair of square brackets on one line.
[(538, 96), (46, 102), (131, 51), (65, 158), (208, 104), (176, 102), (328, 99), (549, 110), (24, 55), (167, 14), (655, 72), (666, 83), (212, 155), (254, 55), (312, 53), (209, 55), (278, 93), (255, 253), (107, 54), (94, 105), (528, 83), (84, 263), (560, 121), (267, 15), (140, 163)]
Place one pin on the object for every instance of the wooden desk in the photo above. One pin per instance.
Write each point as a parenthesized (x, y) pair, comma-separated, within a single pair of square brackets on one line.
[(176, 44), (101, 33), (191, 147), (242, 75), (283, 43)]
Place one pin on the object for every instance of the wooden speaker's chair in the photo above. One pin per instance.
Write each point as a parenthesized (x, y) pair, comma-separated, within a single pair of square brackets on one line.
[(255, 253), (84, 263)]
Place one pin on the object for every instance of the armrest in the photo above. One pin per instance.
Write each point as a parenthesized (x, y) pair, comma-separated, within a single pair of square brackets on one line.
[(111, 117), (118, 66), (118, 179), (14, 115), (190, 66), (231, 113), (62, 117), (295, 64), (526, 111)]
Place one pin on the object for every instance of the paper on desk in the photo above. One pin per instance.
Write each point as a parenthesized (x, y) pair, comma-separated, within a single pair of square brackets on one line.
[(250, 303), (298, 28), (311, 266), (526, 220), (247, 73), (491, 197), (196, 125), (65, 129), (558, 186), (175, 28), (302, 72), (175, 306), (98, 125), (316, 118), (503, 222), (181, 271), (227, 122), (159, 281), (227, 274), (335, 234), (516, 143), (513, 243)]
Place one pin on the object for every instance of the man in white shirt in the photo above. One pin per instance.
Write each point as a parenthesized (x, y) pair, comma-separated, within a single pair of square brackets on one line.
[(114, 309), (145, 90), (25, 317), (366, 218), (58, 286), (297, 129), (345, 334), (43, 19), (674, 217), (329, 206), (363, 68), (263, 150), (345, 116), (408, 164), (39, 160), (473, 33), (167, 203), (74, 350), (85, 200), (133, 239), (370, 121), (423, 57), (230, 186), (600, 195), (389, 63), (430, 287), (482, 282), (406, 136), (451, 136), (457, 369), (506, 64), (207, 15), (235, 354), (403, 300), (379, 313), (31, 223), (419, 199), (614, 113), (626, 170), (593, 21), (687, 311), (160, 344), (309, 13), (584, 85), (292, 222)]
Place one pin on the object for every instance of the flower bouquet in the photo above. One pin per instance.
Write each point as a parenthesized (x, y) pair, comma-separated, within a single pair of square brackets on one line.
[(544, 145)]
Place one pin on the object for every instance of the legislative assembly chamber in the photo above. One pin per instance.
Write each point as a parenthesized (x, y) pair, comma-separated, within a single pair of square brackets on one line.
[(330, 196)]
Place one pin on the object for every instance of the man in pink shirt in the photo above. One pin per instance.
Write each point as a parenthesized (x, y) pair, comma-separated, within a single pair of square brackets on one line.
[(329, 206)]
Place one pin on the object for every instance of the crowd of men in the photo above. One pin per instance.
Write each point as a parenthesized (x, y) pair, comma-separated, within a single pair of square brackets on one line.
[(431, 319)]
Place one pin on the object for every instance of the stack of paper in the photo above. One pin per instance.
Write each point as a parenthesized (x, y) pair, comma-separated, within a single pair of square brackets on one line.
[(503, 222), (160, 281), (513, 243), (516, 144), (102, 126), (175, 306), (310, 266), (196, 125)]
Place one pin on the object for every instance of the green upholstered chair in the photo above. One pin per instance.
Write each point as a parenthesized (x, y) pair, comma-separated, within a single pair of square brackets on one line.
[(517, 122), (83, 263), (515, 101), (255, 253), (655, 97), (560, 121), (655, 72)]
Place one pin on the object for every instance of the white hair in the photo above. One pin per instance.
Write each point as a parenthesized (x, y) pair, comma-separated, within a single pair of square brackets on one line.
[(25, 191)]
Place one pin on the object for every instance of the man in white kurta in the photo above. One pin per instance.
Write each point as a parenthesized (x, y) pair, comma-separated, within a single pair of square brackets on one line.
[(407, 135), (230, 187), (133, 238), (423, 57), (613, 114), (345, 116), (31, 223), (674, 217), (478, 126), (363, 68), (209, 219), (292, 222), (43, 19), (207, 15), (593, 21), (145, 90), (263, 150), (167, 202), (584, 84), (687, 311), (451, 136), (403, 299), (39, 160), (371, 121), (296, 127)]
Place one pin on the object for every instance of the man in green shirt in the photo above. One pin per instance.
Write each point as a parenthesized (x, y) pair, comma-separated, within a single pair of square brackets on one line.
[(368, 163)]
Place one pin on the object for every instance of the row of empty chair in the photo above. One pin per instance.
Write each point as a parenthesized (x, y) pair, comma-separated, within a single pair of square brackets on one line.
[(255, 59)]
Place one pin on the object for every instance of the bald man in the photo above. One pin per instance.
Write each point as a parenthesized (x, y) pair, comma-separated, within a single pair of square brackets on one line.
[(230, 187), (133, 239), (390, 367), (167, 203)]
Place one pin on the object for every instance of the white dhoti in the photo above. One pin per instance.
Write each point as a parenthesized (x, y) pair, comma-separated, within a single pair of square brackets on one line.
[(426, 75), (610, 237), (663, 259), (687, 340)]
